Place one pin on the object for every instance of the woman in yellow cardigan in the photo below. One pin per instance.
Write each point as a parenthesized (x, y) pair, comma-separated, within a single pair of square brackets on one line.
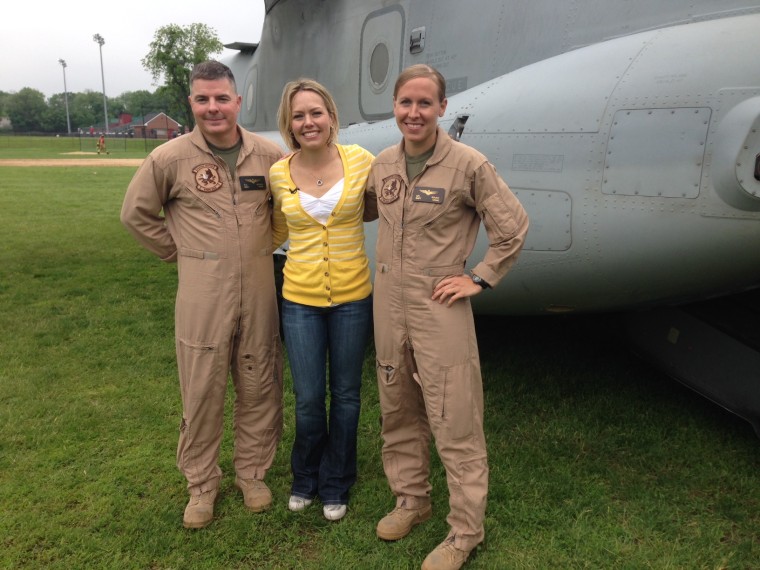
[(318, 193)]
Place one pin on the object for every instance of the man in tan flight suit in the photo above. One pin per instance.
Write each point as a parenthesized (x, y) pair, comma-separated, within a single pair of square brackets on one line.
[(213, 188)]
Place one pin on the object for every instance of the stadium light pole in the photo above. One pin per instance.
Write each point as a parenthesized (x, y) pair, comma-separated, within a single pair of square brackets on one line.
[(65, 94), (99, 39)]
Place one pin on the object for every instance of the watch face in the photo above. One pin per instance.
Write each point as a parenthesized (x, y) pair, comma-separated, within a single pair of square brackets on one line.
[(478, 281)]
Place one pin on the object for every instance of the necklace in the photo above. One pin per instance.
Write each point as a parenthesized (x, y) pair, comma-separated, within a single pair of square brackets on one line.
[(318, 178)]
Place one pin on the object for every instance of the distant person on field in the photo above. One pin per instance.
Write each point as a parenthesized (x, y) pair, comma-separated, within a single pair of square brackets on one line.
[(102, 144), (213, 189)]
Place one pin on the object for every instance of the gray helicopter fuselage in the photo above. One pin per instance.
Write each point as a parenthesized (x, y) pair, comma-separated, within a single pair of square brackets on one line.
[(629, 131)]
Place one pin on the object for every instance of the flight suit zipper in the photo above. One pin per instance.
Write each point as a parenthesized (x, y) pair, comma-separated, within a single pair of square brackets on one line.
[(206, 206), (234, 198)]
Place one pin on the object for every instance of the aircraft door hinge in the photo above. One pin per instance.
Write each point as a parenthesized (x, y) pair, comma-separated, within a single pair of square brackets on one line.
[(757, 167), (457, 127), (417, 40)]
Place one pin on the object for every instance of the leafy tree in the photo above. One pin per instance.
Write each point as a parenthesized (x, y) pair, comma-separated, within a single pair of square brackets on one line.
[(27, 110), (4, 98), (139, 103), (86, 110), (55, 116), (173, 53), (176, 108), (115, 107)]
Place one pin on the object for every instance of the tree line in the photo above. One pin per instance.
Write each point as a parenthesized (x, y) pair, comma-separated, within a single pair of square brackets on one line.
[(29, 111), (173, 53)]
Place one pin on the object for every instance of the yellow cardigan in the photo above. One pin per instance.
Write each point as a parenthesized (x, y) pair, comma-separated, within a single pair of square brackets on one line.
[(327, 264)]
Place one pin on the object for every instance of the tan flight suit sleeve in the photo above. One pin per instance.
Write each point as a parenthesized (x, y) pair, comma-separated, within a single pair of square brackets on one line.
[(279, 227), (505, 221), (370, 200), (279, 223), (146, 196)]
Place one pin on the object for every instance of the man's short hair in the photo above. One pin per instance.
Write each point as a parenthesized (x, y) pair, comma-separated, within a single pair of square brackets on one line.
[(212, 70)]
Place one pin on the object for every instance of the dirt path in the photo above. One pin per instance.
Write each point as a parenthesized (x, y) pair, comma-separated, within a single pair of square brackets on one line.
[(95, 162)]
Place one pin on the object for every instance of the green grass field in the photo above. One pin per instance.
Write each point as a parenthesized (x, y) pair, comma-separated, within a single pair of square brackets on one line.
[(597, 461), (73, 146)]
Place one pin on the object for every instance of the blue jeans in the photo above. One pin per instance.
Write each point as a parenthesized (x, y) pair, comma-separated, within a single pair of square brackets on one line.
[(323, 459)]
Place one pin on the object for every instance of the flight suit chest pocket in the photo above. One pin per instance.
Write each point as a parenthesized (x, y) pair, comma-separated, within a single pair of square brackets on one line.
[(254, 195), (256, 211), (431, 215), (205, 202), (198, 224)]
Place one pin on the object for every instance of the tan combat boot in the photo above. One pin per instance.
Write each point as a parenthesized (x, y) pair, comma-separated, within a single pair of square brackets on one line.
[(256, 494), (200, 510), (446, 556), (400, 521)]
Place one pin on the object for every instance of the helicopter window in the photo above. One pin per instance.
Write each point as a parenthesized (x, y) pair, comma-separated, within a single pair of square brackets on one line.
[(379, 64), (249, 97), (248, 116), (417, 40), (457, 127)]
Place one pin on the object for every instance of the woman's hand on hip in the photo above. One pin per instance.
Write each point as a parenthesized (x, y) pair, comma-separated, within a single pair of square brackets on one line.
[(455, 287)]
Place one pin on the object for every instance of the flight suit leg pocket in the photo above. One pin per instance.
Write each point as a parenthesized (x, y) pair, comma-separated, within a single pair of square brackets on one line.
[(457, 410), (201, 370), (261, 374), (389, 387)]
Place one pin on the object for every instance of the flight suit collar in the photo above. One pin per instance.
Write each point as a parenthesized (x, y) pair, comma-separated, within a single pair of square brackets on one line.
[(247, 146), (443, 145)]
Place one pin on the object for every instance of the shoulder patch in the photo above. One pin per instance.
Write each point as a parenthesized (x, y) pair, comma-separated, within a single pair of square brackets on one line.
[(391, 189), (207, 177)]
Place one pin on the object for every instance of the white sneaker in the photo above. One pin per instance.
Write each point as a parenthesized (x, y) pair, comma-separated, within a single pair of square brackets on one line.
[(297, 504), (334, 512)]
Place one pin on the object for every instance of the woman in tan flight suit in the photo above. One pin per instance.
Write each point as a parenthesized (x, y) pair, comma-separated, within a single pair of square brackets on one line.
[(431, 193)]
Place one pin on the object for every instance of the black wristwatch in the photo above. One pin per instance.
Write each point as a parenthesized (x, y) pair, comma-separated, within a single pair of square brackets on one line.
[(479, 281)]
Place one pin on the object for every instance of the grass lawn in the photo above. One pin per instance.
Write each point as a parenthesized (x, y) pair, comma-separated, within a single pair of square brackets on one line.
[(74, 146), (597, 460)]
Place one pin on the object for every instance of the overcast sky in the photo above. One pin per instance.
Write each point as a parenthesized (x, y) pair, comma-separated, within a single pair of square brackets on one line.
[(37, 33)]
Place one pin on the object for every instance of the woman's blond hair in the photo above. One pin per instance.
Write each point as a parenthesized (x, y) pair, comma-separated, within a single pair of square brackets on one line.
[(285, 110)]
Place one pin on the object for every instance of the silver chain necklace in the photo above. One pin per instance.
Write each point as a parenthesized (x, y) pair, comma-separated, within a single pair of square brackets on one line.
[(319, 180)]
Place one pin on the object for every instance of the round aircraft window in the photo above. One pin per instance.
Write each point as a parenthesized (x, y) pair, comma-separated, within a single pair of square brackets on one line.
[(248, 112), (379, 64), (249, 97)]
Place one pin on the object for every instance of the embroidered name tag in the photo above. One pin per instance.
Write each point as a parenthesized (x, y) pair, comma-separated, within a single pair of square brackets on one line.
[(253, 183), (430, 195)]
